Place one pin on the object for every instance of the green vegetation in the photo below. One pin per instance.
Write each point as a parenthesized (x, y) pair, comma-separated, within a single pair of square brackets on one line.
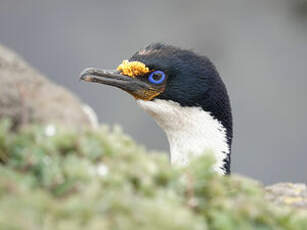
[(100, 179)]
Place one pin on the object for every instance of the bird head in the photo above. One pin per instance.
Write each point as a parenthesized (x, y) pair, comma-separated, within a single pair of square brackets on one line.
[(169, 82)]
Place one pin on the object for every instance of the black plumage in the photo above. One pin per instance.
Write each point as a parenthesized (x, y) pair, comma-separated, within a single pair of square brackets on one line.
[(192, 81), (189, 79)]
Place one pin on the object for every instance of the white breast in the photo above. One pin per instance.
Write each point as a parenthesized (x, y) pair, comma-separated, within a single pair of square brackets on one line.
[(191, 131)]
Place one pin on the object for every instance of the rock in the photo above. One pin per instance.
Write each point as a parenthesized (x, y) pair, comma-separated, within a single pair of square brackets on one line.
[(27, 96), (289, 194)]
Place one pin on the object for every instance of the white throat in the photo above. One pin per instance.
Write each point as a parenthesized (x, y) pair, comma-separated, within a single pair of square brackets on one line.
[(191, 131)]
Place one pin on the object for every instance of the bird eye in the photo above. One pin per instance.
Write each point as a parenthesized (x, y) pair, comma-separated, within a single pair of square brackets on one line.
[(156, 77)]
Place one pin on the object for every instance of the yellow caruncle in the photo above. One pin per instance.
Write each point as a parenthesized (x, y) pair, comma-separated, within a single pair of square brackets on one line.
[(133, 69)]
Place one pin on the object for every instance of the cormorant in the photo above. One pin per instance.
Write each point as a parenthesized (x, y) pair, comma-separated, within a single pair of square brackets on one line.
[(184, 93)]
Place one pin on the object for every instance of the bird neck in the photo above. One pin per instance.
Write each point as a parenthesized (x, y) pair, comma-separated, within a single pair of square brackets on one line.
[(191, 132)]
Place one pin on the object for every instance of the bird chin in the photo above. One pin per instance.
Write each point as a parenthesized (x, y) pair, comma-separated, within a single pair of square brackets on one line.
[(163, 112), (157, 106), (148, 106), (158, 109)]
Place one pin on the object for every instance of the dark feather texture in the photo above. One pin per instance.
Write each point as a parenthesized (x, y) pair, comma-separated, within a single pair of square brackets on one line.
[(192, 81)]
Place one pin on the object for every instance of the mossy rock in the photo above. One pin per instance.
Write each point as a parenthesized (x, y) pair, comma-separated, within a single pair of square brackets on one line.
[(56, 178), (289, 194)]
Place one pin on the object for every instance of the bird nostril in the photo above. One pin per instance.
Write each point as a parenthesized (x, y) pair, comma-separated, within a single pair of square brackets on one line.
[(86, 78)]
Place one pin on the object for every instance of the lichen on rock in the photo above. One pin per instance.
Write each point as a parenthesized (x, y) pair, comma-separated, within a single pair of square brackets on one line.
[(288, 194), (61, 178)]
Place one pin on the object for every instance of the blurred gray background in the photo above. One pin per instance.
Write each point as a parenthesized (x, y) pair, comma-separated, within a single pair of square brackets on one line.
[(259, 48)]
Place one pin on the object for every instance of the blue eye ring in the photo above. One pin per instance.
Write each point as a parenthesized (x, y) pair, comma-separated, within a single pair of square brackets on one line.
[(156, 81)]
